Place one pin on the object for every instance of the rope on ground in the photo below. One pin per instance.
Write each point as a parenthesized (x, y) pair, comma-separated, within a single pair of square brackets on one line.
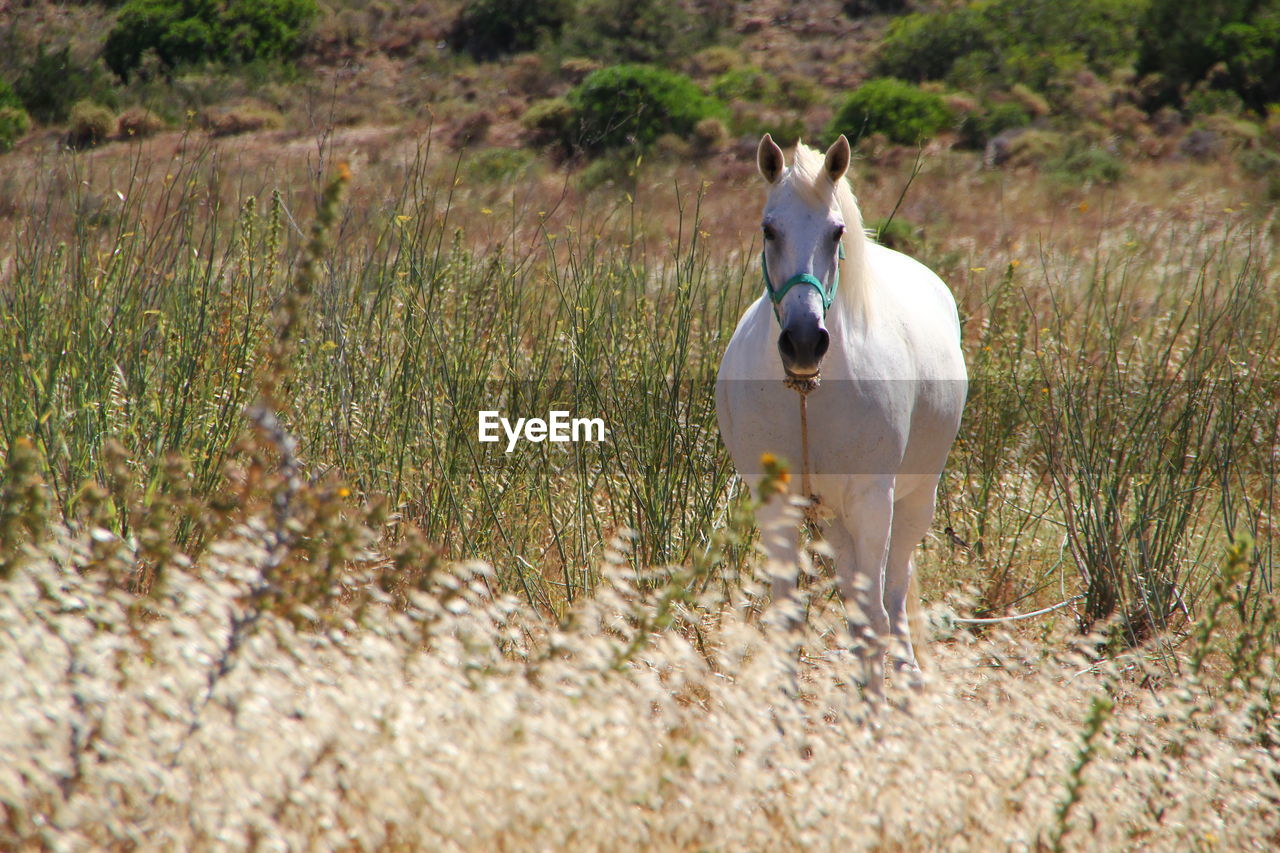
[(1015, 617)]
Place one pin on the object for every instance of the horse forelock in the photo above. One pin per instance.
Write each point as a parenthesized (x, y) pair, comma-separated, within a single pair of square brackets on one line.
[(807, 178)]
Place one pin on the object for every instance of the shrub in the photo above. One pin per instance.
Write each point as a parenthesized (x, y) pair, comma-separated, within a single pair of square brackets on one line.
[(646, 30), (1204, 100), (745, 84), (54, 81), (617, 168), (241, 118), (1082, 163), (716, 59), (138, 123), (799, 91), (9, 98), (471, 130), (548, 122), (1235, 133), (90, 125), (899, 110), (493, 164), (786, 128), (895, 233), (192, 31), (711, 134), (1259, 162), (632, 105), (1184, 43), (999, 43), (487, 29), (978, 126), (576, 68), (14, 123), (926, 46), (1036, 147)]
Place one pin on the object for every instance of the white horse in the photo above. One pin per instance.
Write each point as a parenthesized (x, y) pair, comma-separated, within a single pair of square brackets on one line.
[(883, 332)]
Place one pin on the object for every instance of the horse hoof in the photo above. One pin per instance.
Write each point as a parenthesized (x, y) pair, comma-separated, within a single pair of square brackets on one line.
[(908, 674)]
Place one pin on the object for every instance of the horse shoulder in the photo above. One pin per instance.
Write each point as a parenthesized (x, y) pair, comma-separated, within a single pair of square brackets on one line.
[(914, 289), (748, 343)]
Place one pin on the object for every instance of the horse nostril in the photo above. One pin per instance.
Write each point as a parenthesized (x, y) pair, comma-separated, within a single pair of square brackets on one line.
[(803, 347), (824, 341), (786, 347)]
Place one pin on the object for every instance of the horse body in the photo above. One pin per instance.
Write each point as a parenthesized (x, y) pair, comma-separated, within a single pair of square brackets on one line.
[(885, 412)]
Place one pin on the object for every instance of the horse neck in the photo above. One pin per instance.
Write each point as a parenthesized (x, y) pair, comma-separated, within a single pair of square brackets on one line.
[(854, 296)]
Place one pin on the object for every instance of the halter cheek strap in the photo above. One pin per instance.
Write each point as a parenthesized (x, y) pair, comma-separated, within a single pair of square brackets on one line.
[(777, 293)]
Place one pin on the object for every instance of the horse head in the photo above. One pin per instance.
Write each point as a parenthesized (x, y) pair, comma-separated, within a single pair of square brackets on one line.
[(804, 231)]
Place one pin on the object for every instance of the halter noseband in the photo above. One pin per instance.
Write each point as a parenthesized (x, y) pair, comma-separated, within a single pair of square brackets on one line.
[(777, 293)]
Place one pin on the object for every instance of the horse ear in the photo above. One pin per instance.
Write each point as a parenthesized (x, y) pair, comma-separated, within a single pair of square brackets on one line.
[(837, 159), (769, 158)]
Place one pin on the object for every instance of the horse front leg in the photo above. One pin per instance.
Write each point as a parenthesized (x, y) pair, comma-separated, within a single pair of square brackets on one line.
[(860, 539), (779, 524)]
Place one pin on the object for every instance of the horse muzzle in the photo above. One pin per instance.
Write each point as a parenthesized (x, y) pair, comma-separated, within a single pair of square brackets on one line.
[(802, 345)]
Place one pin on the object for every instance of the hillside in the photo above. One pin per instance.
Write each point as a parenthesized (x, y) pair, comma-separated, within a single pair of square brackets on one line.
[(1089, 95)]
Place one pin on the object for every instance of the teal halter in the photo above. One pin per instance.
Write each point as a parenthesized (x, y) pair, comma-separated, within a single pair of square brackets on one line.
[(777, 293)]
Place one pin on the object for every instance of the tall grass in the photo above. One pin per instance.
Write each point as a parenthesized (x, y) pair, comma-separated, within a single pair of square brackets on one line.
[(147, 325), (1134, 395), (1120, 423)]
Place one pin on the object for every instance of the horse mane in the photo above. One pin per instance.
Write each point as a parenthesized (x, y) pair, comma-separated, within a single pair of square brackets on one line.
[(807, 177)]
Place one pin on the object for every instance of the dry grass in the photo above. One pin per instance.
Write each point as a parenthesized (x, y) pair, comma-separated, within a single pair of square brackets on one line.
[(461, 721)]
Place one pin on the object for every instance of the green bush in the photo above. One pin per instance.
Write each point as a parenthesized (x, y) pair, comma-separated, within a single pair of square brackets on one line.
[(745, 84), (925, 46), (8, 98), (181, 32), (999, 43), (632, 105), (14, 123), (548, 121), (785, 126), (895, 233), (989, 119), (54, 81), (899, 110), (646, 31), (495, 164), (487, 29), (1259, 162), (1204, 100), (1083, 163), (1235, 41)]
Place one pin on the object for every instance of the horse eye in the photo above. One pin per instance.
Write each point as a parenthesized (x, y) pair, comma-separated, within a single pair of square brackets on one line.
[(837, 234), (769, 233)]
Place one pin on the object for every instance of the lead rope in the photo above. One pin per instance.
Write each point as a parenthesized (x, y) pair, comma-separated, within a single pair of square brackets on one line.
[(813, 511)]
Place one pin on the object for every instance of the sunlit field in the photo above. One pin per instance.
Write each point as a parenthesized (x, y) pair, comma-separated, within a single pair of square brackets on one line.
[(263, 585)]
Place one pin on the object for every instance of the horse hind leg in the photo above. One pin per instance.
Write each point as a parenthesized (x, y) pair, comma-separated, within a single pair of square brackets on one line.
[(912, 516)]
